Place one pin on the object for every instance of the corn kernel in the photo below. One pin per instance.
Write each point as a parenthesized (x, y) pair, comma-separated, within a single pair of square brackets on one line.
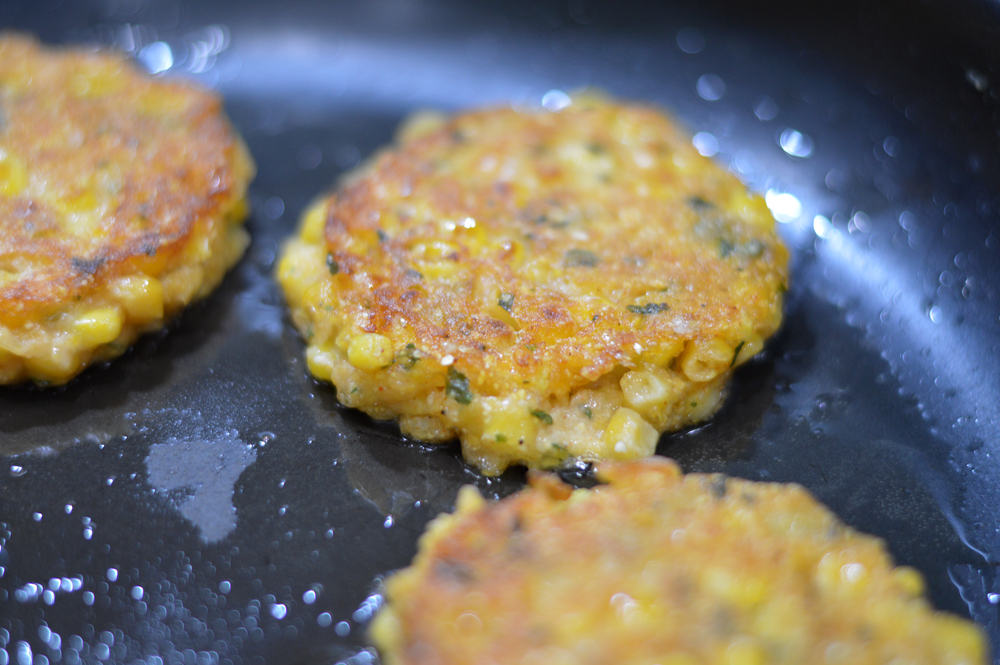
[(509, 423), (911, 580), (320, 362), (370, 351), (703, 360), (628, 436), (314, 223), (98, 326), (57, 366), (141, 296), (645, 390), (961, 641), (13, 175)]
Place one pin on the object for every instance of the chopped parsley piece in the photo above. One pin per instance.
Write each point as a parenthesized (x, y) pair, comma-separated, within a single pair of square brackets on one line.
[(581, 258), (501, 437), (648, 308), (587, 412), (506, 301), (726, 248), (332, 264), (409, 356), (382, 235), (541, 415), (457, 387), (560, 447), (736, 352)]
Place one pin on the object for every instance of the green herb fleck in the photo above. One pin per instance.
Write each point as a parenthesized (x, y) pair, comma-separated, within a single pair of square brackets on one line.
[(332, 264), (558, 446), (409, 356), (382, 235), (587, 412), (726, 248), (457, 387), (699, 203), (531, 347), (649, 308), (506, 301), (541, 415), (355, 389), (736, 352), (596, 148), (581, 258), (501, 437)]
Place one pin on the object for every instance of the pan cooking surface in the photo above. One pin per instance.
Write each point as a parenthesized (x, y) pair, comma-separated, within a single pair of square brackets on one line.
[(203, 500)]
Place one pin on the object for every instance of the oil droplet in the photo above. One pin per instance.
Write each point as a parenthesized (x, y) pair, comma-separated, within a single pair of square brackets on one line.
[(137, 592), (309, 597), (279, 610), (112, 575), (324, 619), (388, 522), (706, 144), (994, 598), (274, 207), (309, 157), (343, 629), (329, 534), (68, 508), (555, 100), (690, 40), (784, 206), (16, 470), (225, 586), (711, 88), (795, 143), (88, 598), (765, 109), (37, 517), (935, 314)]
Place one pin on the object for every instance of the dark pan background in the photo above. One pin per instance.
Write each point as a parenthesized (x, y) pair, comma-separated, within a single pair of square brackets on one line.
[(202, 500)]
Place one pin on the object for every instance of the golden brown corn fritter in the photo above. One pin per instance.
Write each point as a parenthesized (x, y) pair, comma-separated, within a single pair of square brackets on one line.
[(659, 567), (121, 201), (546, 286)]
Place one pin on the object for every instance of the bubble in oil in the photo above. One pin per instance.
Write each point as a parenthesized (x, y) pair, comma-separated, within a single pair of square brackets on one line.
[(16, 470), (711, 88), (795, 143)]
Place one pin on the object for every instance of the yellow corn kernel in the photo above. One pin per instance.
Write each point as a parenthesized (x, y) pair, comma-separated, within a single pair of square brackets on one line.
[(750, 346), (911, 580), (98, 326), (320, 362), (56, 366), (370, 351), (141, 296), (508, 422), (628, 436), (703, 360), (735, 589), (314, 223), (469, 499), (647, 389), (13, 174)]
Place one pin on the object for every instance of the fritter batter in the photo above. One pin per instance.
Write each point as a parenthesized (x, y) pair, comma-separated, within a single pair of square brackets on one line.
[(121, 201), (546, 286), (659, 567)]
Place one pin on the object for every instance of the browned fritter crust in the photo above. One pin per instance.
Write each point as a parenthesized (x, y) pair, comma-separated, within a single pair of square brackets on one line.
[(107, 173), (659, 567), (481, 276)]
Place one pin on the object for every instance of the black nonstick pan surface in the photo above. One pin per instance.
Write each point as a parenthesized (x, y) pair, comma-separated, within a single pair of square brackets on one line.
[(202, 500)]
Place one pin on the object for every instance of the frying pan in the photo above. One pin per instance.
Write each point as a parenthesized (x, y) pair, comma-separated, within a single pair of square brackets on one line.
[(202, 500)]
